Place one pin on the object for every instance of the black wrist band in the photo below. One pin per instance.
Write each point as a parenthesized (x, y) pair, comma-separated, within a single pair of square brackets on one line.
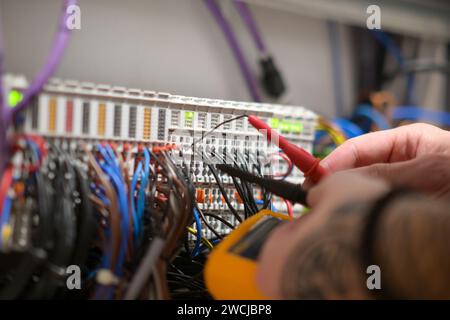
[(369, 235)]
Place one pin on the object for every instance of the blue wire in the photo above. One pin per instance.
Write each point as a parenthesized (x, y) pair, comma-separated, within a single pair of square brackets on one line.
[(99, 187), (109, 157), (147, 164), (390, 45), (118, 185), (109, 172), (5, 215), (107, 256), (98, 192), (112, 156), (144, 183), (198, 241), (34, 149), (132, 200), (375, 116), (421, 114), (319, 135), (113, 171), (261, 202), (350, 129), (145, 172)]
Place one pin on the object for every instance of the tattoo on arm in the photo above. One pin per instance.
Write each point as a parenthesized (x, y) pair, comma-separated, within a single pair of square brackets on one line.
[(325, 262)]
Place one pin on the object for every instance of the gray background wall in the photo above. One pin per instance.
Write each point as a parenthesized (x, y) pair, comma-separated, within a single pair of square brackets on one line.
[(176, 46)]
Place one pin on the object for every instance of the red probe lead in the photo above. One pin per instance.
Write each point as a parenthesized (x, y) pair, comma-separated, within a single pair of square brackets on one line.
[(303, 160)]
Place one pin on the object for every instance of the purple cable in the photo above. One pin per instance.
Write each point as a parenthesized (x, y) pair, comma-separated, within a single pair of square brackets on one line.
[(247, 17), (2, 70), (3, 126), (234, 45), (53, 60)]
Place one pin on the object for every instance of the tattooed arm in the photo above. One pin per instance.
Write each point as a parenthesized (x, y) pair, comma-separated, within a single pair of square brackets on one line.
[(319, 256), (326, 263), (320, 236)]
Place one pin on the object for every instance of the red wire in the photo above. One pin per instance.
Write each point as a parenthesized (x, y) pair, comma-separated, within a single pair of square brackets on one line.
[(40, 143), (289, 208), (164, 148), (285, 157), (4, 186), (289, 162)]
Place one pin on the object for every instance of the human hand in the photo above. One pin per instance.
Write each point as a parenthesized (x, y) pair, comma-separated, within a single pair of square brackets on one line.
[(427, 173), (389, 146), (416, 156), (345, 187), (318, 256), (330, 227)]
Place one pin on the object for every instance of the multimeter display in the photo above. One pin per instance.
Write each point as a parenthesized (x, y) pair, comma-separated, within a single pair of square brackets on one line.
[(250, 245)]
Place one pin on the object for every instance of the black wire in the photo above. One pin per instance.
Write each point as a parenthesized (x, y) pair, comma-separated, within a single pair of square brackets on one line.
[(29, 263), (240, 187), (266, 195), (202, 216), (86, 225), (188, 279), (224, 194), (22, 265), (250, 200), (216, 127), (217, 217), (241, 194), (43, 233), (64, 229)]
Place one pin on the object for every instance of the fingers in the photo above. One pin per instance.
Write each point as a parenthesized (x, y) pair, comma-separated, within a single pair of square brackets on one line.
[(344, 186), (399, 144), (389, 146), (392, 172), (427, 173), (361, 151), (430, 173)]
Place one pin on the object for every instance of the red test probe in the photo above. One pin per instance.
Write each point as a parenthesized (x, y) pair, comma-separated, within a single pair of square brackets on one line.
[(303, 160)]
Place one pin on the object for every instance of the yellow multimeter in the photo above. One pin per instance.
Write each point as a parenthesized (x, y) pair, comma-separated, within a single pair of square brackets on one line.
[(230, 271)]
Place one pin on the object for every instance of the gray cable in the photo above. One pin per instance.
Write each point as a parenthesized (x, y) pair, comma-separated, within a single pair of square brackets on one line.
[(145, 268)]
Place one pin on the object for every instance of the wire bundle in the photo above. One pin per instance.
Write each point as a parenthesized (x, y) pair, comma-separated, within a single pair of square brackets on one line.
[(245, 199), (121, 213), (64, 204), (47, 220)]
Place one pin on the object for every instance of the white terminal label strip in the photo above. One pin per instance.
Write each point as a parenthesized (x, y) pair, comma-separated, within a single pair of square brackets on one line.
[(81, 111)]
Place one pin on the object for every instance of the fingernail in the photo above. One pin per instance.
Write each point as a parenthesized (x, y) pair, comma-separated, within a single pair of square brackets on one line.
[(325, 164)]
